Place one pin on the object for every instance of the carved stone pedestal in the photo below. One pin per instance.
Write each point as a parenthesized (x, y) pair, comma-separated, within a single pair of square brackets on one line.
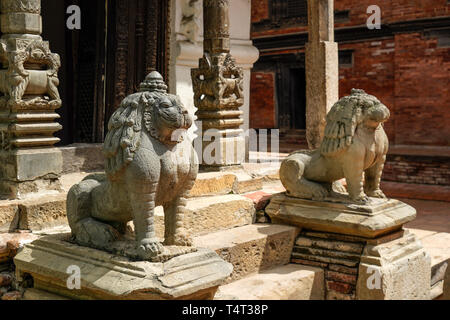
[(363, 250), (51, 262), (28, 100)]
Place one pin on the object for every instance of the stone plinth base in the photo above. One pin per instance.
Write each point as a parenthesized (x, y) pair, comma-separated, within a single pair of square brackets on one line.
[(28, 171), (369, 221), (194, 275), (363, 250)]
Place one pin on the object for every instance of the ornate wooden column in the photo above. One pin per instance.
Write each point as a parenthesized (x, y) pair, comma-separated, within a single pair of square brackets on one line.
[(322, 69), (28, 84), (219, 91)]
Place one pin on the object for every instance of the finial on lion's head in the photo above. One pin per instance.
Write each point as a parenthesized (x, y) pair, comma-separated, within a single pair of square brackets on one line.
[(153, 82)]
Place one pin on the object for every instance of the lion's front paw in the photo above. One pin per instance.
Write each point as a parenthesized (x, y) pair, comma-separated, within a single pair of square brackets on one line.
[(318, 192), (361, 199), (149, 248), (377, 194)]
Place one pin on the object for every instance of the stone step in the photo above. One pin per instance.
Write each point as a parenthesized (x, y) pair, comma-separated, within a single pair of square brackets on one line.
[(288, 282), (48, 210), (437, 246), (251, 248), (211, 214)]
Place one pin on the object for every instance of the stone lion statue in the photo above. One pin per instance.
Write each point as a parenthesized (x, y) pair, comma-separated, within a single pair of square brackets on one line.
[(148, 163), (354, 147)]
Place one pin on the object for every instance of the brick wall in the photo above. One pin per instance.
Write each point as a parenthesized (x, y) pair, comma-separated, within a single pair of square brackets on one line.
[(422, 96), (391, 11), (417, 169)]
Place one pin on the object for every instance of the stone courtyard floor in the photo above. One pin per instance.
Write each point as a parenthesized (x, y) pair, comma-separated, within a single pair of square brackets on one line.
[(431, 215)]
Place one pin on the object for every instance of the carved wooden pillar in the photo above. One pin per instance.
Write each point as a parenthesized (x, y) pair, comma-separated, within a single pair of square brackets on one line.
[(322, 69), (218, 91), (29, 98)]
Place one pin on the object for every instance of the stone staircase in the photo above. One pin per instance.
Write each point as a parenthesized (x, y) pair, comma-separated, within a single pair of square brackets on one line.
[(225, 213), (222, 214)]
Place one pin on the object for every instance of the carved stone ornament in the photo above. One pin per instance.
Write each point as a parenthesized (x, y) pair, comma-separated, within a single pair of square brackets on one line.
[(148, 164), (27, 6), (354, 147), (218, 83), (22, 78)]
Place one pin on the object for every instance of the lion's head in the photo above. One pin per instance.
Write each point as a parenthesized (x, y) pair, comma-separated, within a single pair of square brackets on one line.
[(359, 108), (152, 109)]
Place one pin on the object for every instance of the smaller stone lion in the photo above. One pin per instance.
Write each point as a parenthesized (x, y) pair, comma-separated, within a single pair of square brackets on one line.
[(354, 147), (148, 163)]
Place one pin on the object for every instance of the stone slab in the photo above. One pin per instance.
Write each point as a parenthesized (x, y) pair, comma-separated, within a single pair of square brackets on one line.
[(42, 213), (9, 216), (31, 164), (105, 276), (368, 221), (251, 248), (210, 214), (289, 282)]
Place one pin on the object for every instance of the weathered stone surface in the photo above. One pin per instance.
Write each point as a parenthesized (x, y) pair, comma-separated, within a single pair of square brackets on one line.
[(245, 183), (400, 269), (212, 183), (210, 214), (369, 221), (9, 216), (30, 171), (251, 248), (289, 282), (43, 213), (105, 276)]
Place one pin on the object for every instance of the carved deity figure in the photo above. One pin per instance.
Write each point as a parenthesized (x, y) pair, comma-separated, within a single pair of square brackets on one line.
[(148, 164), (354, 147)]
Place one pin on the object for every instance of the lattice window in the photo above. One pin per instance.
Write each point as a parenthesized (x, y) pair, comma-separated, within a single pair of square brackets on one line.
[(346, 58), (297, 8)]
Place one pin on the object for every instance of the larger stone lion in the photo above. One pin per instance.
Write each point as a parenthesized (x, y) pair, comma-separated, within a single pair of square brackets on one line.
[(148, 163), (354, 148)]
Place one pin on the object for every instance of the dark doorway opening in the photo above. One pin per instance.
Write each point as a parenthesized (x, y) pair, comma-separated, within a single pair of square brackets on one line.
[(119, 43), (291, 98)]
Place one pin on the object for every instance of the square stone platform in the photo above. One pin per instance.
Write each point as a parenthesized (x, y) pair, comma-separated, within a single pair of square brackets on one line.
[(50, 262), (380, 217)]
